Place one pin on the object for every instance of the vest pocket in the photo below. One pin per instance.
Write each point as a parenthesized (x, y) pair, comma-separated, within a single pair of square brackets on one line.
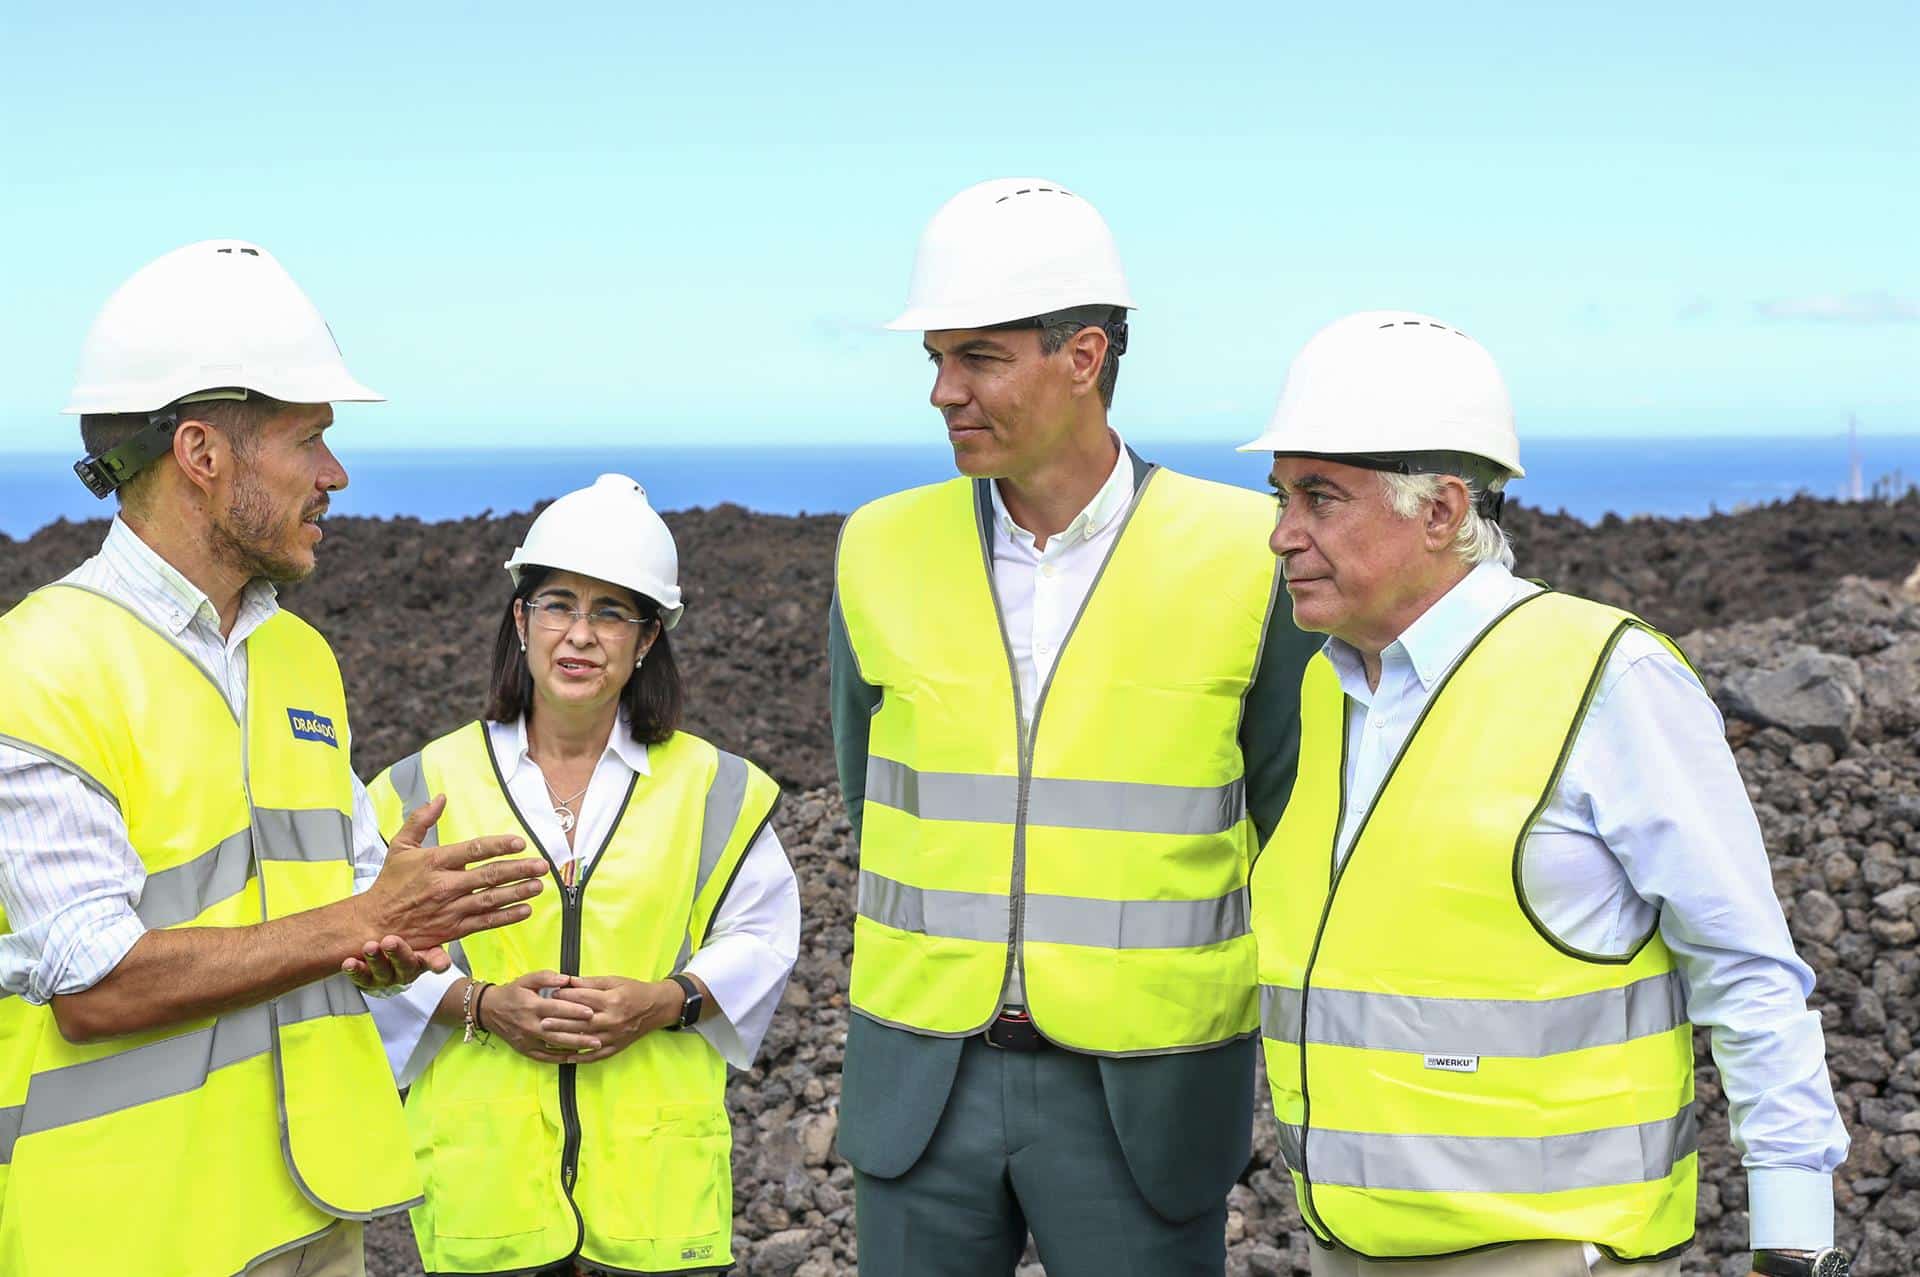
[(484, 1173), (669, 1175)]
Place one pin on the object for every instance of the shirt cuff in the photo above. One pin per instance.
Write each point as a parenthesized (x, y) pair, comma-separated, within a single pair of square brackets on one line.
[(740, 978), (723, 1038), (1789, 1208), (86, 945)]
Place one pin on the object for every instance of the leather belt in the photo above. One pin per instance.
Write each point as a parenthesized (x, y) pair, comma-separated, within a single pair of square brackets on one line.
[(1015, 1031)]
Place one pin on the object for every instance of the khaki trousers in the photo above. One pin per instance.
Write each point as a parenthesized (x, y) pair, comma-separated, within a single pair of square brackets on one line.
[(1524, 1259), (341, 1251)]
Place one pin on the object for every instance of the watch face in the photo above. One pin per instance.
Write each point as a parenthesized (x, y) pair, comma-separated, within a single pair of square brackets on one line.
[(1832, 1263)]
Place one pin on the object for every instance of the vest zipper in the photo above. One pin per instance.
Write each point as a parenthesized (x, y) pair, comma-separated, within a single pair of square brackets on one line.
[(570, 922), (569, 1073)]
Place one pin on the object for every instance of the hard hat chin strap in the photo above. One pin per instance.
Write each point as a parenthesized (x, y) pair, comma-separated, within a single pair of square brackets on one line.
[(103, 472), (1111, 320)]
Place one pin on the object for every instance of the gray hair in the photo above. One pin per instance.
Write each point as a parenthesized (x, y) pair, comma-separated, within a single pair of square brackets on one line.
[(1479, 539)]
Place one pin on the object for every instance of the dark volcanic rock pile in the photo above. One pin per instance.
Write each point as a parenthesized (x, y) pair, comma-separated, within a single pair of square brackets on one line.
[(1819, 677)]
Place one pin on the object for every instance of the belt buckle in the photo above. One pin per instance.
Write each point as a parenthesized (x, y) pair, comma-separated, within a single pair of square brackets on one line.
[(1013, 1031)]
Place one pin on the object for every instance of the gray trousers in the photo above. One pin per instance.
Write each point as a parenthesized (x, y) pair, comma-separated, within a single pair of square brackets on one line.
[(1026, 1144)]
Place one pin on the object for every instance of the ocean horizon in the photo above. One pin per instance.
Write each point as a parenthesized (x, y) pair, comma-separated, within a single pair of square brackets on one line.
[(1585, 477)]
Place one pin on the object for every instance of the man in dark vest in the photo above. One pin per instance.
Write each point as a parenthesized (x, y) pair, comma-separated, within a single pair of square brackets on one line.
[(1065, 718)]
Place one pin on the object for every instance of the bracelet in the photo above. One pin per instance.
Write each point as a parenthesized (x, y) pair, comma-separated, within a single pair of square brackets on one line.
[(479, 1021), (468, 1007)]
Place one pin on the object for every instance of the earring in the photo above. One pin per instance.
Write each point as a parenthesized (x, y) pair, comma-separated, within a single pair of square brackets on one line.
[(523, 642)]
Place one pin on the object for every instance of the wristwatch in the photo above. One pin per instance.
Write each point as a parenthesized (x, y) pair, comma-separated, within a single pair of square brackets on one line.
[(695, 1004), (1830, 1262)]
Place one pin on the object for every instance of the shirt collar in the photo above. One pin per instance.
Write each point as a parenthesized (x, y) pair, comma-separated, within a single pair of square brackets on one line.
[(1113, 497), (143, 572), (1438, 637), (621, 745)]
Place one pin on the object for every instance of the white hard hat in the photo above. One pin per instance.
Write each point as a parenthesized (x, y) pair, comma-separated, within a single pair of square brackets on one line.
[(216, 314), (608, 531), (1010, 249), (1391, 381)]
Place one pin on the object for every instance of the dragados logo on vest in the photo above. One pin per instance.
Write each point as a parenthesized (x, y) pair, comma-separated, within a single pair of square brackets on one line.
[(308, 725)]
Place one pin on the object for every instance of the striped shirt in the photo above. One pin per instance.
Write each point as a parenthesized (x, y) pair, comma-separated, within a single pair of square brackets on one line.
[(69, 877)]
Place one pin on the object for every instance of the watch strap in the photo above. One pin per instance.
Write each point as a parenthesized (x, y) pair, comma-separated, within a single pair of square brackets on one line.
[(1827, 1262), (689, 1010)]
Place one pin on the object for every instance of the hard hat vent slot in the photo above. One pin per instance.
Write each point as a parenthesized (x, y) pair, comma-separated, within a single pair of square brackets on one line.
[(250, 252), (1037, 190), (1415, 323)]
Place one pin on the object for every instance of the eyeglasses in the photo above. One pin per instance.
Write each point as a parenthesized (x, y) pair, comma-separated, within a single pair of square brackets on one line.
[(609, 624)]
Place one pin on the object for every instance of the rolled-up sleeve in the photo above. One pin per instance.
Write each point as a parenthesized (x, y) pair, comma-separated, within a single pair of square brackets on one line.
[(70, 880), (747, 959), (1667, 798)]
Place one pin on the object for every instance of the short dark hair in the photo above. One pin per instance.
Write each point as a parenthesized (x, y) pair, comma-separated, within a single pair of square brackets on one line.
[(238, 419), (1059, 328), (653, 697)]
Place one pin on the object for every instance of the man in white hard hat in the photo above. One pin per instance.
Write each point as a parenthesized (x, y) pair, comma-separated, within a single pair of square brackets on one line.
[(1518, 866), (1064, 714), (190, 1085)]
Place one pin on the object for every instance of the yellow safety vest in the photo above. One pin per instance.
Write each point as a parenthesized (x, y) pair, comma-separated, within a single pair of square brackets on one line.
[(1109, 844), (191, 1151), (623, 1162), (1468, 1078)]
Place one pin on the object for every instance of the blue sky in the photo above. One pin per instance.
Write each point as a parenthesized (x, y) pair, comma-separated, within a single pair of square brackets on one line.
[(637, 223)]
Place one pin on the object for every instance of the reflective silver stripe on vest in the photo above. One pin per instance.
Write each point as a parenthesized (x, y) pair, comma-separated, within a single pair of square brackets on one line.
[(314, 835), (1077, 920), (172, 1066), (951, 915), (1136, 924), (409, 777), (726, 795), (183, 892), (1111, 805), (1493, 1164), (1512, 1029)]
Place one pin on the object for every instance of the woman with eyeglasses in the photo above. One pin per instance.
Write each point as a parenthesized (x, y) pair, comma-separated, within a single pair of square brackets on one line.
[(568, 1076)]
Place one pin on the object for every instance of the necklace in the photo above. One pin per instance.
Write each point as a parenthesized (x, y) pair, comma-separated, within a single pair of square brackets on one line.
[(563, 807)]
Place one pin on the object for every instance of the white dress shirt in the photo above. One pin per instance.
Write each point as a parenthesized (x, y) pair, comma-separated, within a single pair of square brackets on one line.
[(1041, 592), (69, 877), (1651, 820), (745, 962)]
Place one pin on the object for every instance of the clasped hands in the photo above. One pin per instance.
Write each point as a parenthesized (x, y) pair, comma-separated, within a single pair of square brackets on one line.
[(561, 1019)]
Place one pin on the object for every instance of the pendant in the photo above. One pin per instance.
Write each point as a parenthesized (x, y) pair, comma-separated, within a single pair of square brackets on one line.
[(565, 817)]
